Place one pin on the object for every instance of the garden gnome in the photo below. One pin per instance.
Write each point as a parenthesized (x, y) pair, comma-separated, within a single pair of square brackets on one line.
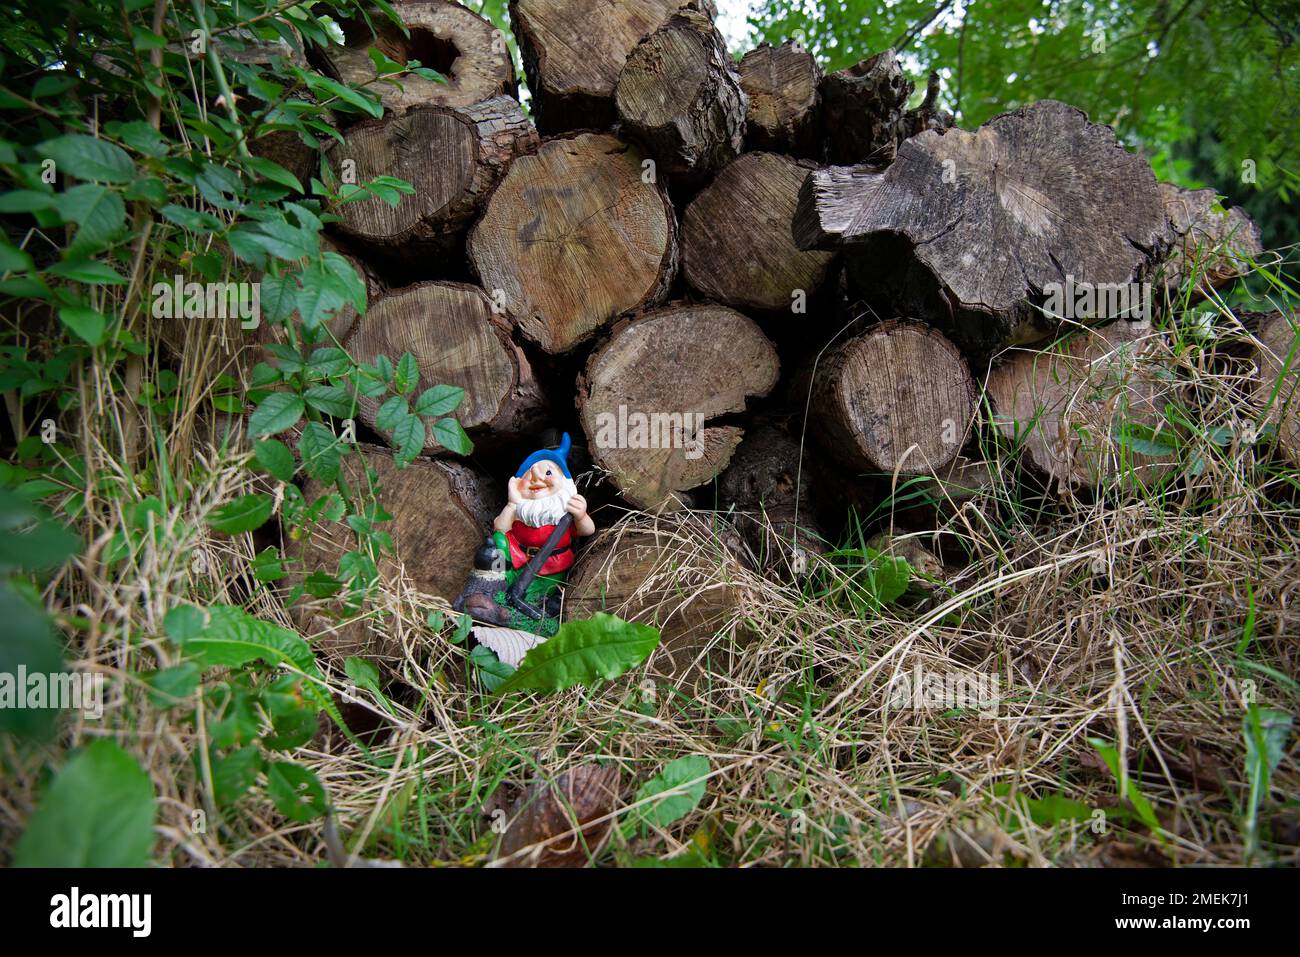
[(532, 541)]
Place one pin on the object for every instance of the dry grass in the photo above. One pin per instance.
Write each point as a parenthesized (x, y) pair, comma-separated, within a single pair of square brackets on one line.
[(1135, 618)]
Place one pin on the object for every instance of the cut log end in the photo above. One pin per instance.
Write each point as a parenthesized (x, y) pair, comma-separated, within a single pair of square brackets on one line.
[(451, 156), (1212, 245), (680, 96), (471, 54), (782, 85), (456, 340), (737, 245), (573, 237), (1277, 392), (648, 394), (898, 399)]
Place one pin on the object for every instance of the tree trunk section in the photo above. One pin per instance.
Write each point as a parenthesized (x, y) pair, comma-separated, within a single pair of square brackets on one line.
[(898, 399), (737, 245), (784, 113), (452, 156), (573, 237), (648, 393), (863, 108), (1063, 406), (1277, 393), (1213, 245), (470, 53), (456, 340), (441, 512), (573, 55), (679, 95), (1044, 196)]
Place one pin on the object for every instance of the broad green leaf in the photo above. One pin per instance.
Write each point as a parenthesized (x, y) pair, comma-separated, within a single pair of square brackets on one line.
[(296, 791), (274, 456), (173, 686), (98, 812), (407, 374), (243, 514), (603, 646), (87, 157), (676, 790), (439, 400), (88, 324), (184, 622), (452, 437), (29, 642), (276, 413), (234, 773), (330, 399), (99, 214), (320, 451), (392, 412), (409, 436)]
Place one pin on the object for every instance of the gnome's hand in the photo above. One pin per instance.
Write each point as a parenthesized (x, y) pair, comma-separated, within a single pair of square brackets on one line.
[(513, 495), (577, 507)]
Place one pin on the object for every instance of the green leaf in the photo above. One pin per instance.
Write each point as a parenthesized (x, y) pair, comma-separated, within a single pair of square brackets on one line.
[(296, 791), (274, 456), (452, 437), (243, 514), (1145, 812), (87, 157), (331, 400), (184, 622), (98, 212), (88, 324), (679, 788), (99, 812), (234, 773), (409, 436), (13, 259), (319, 448), (407, 375), (173, 686), (492, 670), (276, 413), (391, 413), (29, 642), (273, 171), (439, 400), (88, 271), (603, 646)]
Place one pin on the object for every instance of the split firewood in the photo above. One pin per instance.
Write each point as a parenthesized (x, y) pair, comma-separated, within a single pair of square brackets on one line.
[(649, 392), (784, 103), (898, 399), (679, 95), (1214, 244), (573, 237), (737, 246), (456, 340), (440, 511), (452, 156), (1091, 408), (573, 54), (471, 54), (993, 219)]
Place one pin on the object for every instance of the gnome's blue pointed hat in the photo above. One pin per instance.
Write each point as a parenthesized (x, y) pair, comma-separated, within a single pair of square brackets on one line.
[(559, 456)]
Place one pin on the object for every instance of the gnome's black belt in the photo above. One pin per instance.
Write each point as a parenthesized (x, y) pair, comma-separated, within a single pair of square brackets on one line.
[(530, 552)]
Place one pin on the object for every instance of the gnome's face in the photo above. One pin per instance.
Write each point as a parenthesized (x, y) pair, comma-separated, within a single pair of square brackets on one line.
[(542, 480)]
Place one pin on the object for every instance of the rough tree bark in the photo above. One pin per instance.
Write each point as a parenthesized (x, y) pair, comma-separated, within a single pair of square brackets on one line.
[(773, 490), (679, 95), (701, 361), (456, 340), (573, 55), (1214, 246), (452, 156), (1065, 404), (784, 113), (1277, 355), (573, 237), (899, 398), (862, 110), (992, 217), (737, 246), (440, 510), (470, 53)]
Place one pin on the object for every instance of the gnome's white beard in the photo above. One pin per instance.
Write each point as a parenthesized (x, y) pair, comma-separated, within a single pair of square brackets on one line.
[(537, 512)]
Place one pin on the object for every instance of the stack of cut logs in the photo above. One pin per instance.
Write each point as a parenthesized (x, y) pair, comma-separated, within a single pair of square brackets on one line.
[(746, 286)]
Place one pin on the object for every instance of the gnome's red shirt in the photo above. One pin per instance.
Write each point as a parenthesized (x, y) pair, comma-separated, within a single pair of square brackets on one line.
[(524, 540)]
